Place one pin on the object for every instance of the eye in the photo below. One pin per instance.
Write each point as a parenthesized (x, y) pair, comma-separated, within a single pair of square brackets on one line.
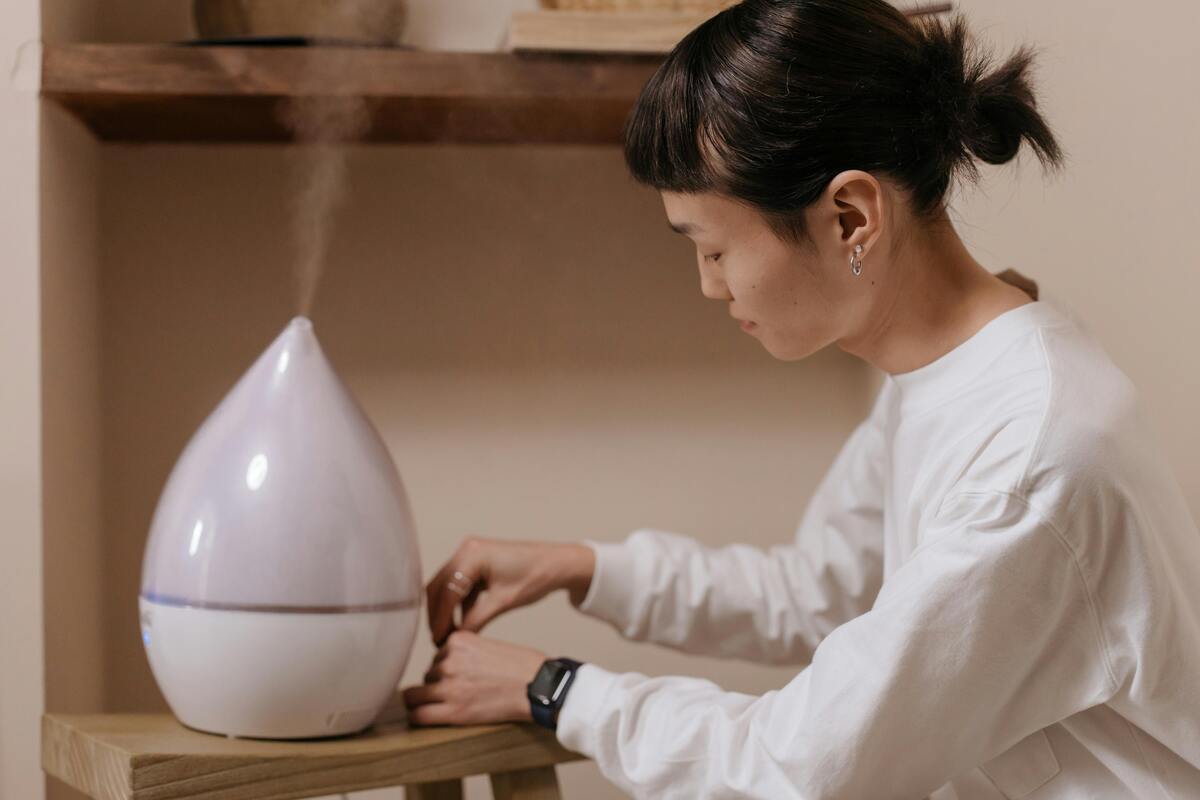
[(713, 258)]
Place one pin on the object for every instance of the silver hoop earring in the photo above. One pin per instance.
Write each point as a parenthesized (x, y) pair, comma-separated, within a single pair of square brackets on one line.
[(855, 261)]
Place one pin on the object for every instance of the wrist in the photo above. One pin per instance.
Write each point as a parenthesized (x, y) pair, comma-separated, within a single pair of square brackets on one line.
[(522, 709), (529, 670)]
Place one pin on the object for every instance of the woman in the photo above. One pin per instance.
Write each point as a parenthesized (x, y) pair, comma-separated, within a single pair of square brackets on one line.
[(989, 595)]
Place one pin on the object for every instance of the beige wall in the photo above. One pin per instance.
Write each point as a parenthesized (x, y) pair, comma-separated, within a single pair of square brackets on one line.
[(528, 335), (1112, 237), (20, 482)]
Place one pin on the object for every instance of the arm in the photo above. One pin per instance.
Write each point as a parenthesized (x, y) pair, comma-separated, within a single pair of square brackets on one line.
[(770, 606), (986, 635)]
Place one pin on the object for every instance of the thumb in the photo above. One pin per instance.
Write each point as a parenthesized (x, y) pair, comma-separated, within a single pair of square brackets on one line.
[(485, 608)]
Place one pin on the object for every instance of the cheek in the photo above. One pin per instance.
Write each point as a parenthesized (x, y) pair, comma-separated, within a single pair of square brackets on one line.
[(776, 292)]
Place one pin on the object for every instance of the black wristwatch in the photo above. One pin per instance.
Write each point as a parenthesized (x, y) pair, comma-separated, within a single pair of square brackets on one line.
[(548, 690)]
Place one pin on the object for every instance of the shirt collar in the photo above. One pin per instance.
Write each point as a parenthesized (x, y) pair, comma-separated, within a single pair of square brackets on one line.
[(970, 359)]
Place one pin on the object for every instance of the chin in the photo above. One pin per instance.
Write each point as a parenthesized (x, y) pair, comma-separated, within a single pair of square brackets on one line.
[(790, 351)]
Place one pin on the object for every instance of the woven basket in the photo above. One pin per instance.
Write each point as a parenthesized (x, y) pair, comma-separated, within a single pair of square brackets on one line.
[(693, 6)]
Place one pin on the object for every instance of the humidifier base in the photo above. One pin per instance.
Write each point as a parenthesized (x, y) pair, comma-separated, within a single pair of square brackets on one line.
[(276, 675)]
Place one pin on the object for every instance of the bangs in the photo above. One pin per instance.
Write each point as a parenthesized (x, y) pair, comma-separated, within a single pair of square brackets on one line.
[(669, 135)]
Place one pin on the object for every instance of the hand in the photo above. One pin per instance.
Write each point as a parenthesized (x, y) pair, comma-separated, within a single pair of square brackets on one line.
[(505, 575), (474, 681)]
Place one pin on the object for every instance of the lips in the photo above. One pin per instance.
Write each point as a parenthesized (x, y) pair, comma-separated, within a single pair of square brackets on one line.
[(747, 325)]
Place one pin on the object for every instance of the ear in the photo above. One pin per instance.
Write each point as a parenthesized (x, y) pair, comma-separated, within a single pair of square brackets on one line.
[(857, 199)]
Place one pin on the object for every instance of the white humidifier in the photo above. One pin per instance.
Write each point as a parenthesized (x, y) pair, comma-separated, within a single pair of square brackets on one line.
[(281, 583)]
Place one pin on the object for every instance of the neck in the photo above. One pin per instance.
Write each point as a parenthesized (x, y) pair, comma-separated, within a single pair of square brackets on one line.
[(933, 297)]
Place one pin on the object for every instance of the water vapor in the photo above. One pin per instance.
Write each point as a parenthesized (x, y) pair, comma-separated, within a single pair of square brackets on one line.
[(324, 127)]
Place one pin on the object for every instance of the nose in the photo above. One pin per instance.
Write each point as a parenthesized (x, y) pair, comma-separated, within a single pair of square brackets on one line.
[(712, 285)]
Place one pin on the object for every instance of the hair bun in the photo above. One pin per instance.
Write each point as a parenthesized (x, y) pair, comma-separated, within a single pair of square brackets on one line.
[(1004, 110), (972, 108), (945, 90)]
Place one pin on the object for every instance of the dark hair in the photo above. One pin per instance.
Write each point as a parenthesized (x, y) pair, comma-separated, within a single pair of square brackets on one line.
[(770, 99)]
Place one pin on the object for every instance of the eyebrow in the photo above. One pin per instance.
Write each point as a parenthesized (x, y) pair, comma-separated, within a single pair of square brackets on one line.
[(684, 227)]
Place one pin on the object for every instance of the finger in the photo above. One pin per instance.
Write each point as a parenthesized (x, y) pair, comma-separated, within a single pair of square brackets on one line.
[(444, 601), (433, 593), (440, 604), (435, 673), (438, 577), (456, 613), (423, 694), (468, 561), (470, 600), (488, 607), (435, 714)]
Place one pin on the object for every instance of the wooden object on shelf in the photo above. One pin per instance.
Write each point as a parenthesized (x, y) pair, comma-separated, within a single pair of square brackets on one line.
[(164, 93), (153, 757), (613, 31), (693, 6), (379, 22), (601, 31)]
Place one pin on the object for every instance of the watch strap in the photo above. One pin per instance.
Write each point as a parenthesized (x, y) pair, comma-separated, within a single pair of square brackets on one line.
[(545, 716)]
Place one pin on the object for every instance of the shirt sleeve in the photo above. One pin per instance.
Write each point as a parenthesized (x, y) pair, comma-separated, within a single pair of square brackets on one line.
[(987, 634), (769, 606)]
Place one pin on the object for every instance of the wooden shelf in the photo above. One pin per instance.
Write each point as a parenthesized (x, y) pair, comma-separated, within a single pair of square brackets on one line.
[(170, 93), (153, 757)]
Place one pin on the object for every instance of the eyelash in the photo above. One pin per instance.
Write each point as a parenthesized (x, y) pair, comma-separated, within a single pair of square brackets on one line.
[(714, 257)]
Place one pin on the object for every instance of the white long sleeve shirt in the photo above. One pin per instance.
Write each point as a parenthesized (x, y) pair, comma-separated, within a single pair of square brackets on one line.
[(993, 593)]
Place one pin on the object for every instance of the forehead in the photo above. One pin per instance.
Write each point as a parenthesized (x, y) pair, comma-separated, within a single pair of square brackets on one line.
[(705, 212)]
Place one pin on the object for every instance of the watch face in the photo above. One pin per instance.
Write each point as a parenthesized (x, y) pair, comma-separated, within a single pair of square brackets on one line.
[(548, 682)]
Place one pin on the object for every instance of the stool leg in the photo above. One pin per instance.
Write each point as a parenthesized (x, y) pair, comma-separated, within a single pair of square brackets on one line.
[(441, 790), (540, 783)]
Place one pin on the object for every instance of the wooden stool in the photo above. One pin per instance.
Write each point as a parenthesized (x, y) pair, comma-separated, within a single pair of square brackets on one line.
[(153, 756)]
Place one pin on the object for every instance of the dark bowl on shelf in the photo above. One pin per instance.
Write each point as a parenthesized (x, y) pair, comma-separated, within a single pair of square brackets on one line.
[(372, 22)]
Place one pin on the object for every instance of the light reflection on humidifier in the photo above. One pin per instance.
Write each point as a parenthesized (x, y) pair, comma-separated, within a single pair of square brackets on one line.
[(281, 583)]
